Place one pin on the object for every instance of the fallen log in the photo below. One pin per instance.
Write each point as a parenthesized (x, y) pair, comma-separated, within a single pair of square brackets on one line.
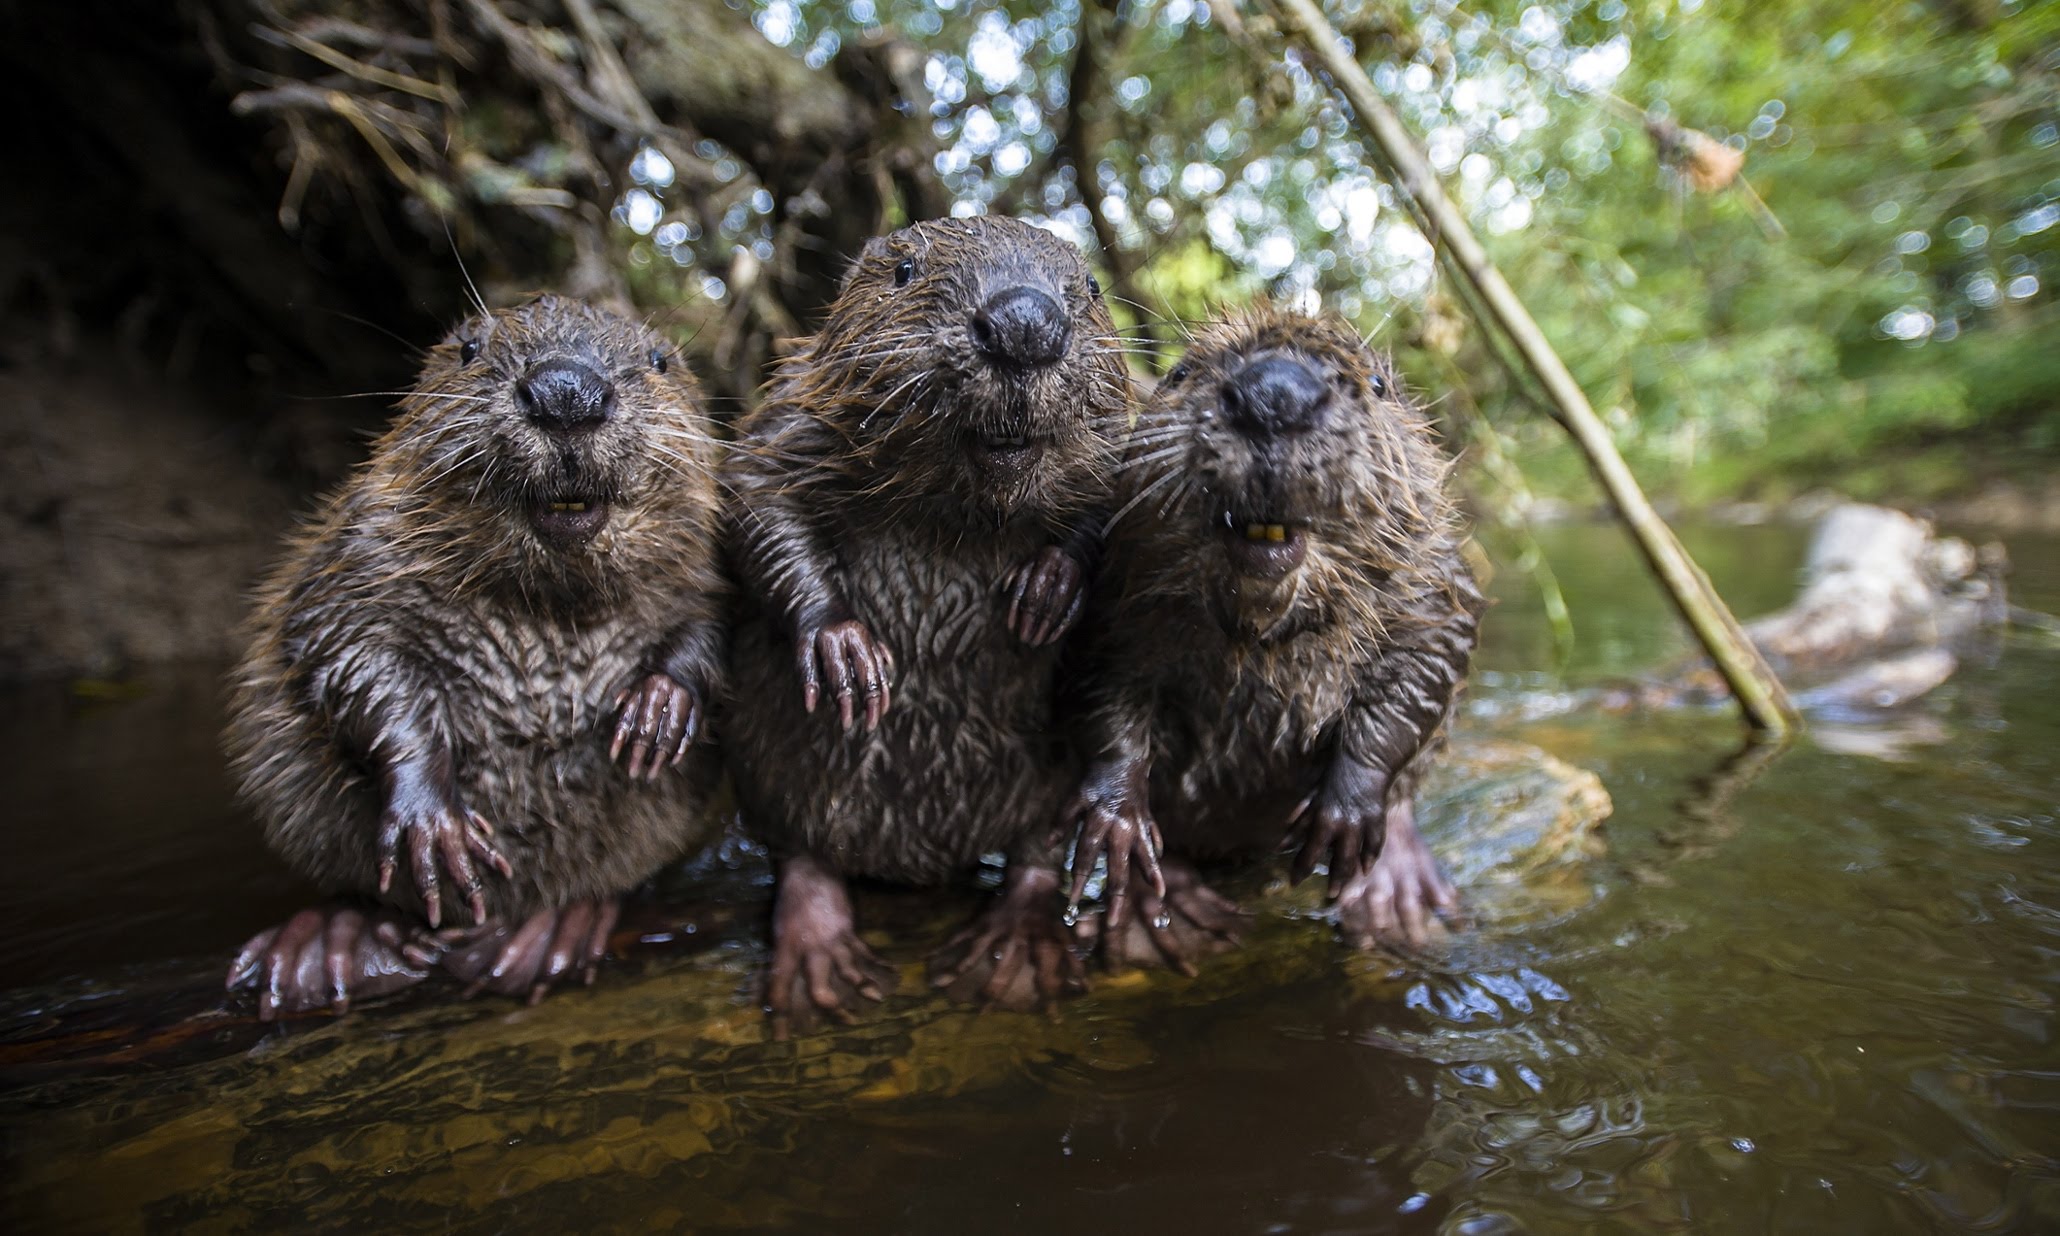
[(1884, 608), (1876, 582), (1885, 602), (1882, 685)]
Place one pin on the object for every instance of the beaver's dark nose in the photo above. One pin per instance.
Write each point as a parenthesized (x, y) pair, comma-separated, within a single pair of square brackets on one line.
[(565, 396), (1022, 326), (1275, 395)]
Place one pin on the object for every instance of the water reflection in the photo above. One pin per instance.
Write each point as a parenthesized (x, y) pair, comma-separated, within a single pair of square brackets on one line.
[(1205, 1122)]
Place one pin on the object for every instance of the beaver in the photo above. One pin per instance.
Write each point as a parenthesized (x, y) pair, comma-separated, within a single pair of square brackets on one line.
[(918, 501), (479, 666), (1275, 643)]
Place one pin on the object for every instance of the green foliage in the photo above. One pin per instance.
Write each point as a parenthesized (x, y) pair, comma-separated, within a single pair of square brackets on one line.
[(1914, 167), (1910, 151)]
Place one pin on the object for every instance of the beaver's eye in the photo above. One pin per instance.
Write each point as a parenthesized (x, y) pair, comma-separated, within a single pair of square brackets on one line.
[(1378, 385), (1094, 285), (468, 351), (1178, 374), (904, 270), (658, 361)]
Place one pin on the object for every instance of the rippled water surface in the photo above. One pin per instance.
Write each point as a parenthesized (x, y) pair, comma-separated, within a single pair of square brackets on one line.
[(1811, 993)]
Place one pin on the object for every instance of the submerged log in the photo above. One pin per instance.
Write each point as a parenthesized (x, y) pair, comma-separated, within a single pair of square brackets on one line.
[(1881, 685), (119, 1117), (1884, 606), (1878, 581)]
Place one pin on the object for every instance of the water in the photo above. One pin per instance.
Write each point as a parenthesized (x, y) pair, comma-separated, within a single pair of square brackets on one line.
[(1821, 998)]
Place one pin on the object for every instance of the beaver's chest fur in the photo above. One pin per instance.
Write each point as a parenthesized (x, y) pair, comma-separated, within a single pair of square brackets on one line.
[(964, 762)]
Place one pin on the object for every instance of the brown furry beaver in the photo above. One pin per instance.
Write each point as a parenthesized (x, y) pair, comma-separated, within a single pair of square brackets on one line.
[(1276, 643), (917, 503), (520, 586)]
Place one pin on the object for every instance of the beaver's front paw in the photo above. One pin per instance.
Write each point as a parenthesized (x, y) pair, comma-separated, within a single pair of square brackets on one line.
[(846, 660), (657, 721), (1045, 595), (1112, 812), (444, 841), (1342, 826)]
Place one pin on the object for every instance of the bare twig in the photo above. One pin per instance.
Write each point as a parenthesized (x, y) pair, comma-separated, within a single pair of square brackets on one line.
[(340, 30), (544, 69), (1761, 695), (358, 69), (378, 124), (611, 77)]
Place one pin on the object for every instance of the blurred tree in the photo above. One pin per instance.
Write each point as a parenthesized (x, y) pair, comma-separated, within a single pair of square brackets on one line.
[(1910, 151)]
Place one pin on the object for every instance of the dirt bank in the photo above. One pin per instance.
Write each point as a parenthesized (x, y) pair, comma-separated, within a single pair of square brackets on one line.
[(136, 517)]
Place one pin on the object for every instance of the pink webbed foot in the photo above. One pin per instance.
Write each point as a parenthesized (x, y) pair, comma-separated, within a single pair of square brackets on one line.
[(820, 968), (1172, 930), (1018, 954), (527, 960), (1400, 899), (327, 958)]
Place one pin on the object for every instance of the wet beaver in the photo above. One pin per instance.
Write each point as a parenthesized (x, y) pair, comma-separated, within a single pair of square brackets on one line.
[(520, 587), (917, 502), (1276, 642)]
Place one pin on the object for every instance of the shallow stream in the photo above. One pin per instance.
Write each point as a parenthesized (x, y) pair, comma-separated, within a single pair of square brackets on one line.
[(1813, 994)]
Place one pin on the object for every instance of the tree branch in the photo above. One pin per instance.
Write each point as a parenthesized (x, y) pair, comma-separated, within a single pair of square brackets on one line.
[(1087, 131), (1761, 695)]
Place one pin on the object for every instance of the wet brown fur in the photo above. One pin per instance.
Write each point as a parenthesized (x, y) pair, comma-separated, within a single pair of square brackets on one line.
[(855, 496), (421, 590), (1242, 694)]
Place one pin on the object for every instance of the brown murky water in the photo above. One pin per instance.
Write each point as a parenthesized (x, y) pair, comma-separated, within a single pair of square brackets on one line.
[(1822, 999)]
